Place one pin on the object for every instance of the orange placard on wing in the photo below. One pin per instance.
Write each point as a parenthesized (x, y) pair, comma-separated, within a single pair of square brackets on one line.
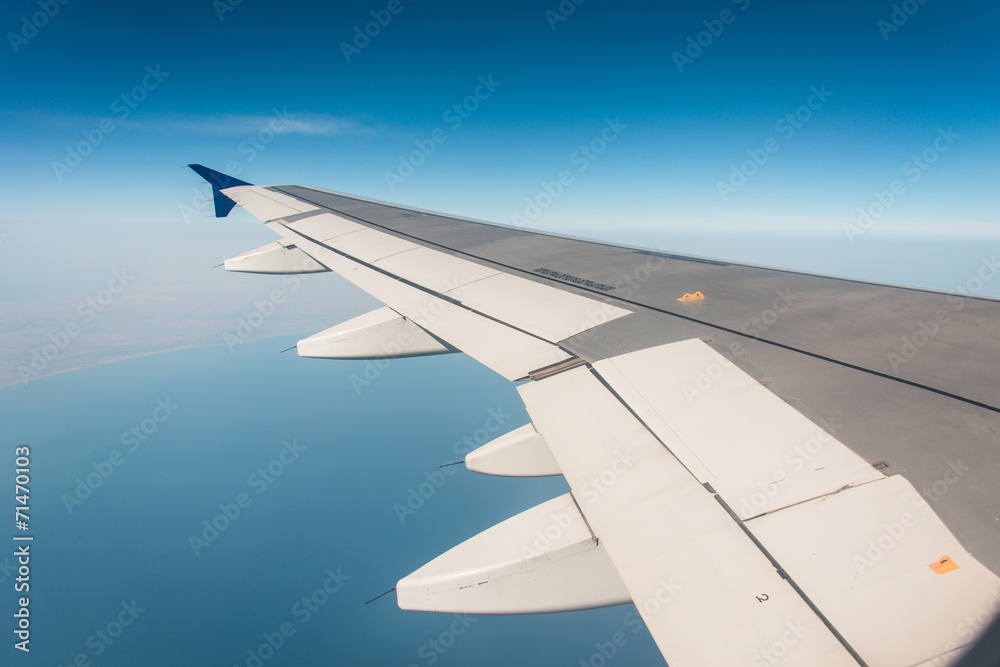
[(944, 565)]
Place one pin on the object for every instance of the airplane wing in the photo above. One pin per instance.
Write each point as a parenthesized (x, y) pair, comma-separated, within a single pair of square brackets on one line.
[(775, 467)]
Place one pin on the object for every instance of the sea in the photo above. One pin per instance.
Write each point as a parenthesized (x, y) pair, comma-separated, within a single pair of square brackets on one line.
[(239, 507)]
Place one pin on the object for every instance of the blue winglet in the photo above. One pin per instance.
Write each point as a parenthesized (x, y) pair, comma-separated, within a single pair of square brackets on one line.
[(223, 204)]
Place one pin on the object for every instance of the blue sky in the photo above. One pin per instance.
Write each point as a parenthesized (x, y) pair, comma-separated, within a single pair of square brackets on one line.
[(687, 127)]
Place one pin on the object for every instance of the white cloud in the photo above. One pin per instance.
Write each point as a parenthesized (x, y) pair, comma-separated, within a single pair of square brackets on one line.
[(310, 124)]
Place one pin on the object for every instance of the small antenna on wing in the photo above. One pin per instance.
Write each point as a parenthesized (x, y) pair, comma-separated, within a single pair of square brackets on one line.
[(291, 348), (218, 265), (378, 596), (445, 465)]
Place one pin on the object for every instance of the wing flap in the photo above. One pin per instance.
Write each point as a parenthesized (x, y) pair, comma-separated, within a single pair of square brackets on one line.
[(867, 558), (758, 452), (324, 226), (369, 245), (688, 566), (435, 270), (865, 550), (509, 352), (544, 311)]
